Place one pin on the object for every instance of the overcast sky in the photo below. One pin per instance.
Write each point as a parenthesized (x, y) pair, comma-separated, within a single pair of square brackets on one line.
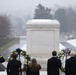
[(28, 6)]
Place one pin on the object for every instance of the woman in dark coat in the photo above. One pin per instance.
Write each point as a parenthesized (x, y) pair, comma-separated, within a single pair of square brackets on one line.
[(33, 68)]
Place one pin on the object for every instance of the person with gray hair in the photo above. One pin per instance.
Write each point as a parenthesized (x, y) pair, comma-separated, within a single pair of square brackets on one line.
[(70, 65)]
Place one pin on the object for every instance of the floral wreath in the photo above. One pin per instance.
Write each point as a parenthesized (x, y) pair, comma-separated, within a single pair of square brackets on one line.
[(63, 53), (19, 52)]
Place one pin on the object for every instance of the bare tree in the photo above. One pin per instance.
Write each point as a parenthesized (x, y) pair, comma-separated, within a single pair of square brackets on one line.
[(5, 26)]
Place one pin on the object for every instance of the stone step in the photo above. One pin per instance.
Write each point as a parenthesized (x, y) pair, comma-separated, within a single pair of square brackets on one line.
[(40, 55), (43, 64)]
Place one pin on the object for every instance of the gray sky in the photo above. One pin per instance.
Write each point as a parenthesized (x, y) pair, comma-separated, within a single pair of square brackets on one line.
[(28, 6)]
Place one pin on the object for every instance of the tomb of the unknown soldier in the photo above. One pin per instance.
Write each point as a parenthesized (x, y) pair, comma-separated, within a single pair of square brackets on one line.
[(42, 39)]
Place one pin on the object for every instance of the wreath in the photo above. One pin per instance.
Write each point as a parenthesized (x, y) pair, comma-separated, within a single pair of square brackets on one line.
[(20, 53), (63, 53)]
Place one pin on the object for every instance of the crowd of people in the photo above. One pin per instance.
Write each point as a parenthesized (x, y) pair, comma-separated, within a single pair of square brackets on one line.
[(53, 66)]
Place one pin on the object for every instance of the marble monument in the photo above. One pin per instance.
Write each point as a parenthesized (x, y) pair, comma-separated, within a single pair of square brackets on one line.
[(42, 38)]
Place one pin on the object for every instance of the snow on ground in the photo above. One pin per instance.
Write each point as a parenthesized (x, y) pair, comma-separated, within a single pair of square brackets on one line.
[(3, 73), (61, 47), (24, 47), (5, 64), (72, 42)]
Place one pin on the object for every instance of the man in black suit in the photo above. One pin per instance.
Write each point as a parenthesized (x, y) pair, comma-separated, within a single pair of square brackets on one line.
[(70, 65), (53, 65), (14, 66)]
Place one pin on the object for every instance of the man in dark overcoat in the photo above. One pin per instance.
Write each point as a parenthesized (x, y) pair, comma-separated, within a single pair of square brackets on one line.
[(70, 65), (53, 64), (14, 66)]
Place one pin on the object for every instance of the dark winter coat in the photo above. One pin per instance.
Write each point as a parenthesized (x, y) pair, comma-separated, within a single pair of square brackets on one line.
[(70, 66), (53, 65), (13, 67)]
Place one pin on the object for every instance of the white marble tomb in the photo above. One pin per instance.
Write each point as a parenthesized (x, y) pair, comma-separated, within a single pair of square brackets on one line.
[(42, 37)]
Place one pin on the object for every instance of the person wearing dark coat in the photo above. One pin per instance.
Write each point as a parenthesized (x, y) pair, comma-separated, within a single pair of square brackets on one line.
[(2, 67), (33, 68), (14, 66), (2, 59), (70, 65), (53, 64)]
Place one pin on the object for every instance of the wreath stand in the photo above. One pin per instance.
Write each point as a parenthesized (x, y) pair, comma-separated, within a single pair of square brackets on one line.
[(21, 53), (64, 54)]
